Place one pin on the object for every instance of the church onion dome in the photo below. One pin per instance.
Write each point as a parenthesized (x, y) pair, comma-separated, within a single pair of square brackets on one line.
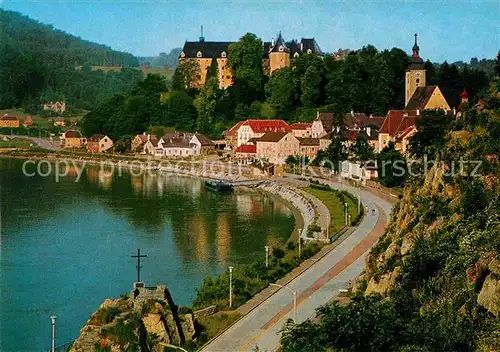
[(416, 62), (279, 45)]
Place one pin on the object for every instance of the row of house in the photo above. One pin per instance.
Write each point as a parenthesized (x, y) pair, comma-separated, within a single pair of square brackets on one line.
[(173, 144), (9, 121), (98, 143)]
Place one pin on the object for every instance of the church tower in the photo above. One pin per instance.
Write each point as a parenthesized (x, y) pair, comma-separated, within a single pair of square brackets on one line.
[(415, 73), (279, 54)]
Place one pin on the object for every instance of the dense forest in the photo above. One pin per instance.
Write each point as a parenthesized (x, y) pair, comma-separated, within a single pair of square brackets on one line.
[(432, 282), (367, 80), (38, 63)]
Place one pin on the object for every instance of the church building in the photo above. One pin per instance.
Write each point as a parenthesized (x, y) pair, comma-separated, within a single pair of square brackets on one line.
[(276, 54), (399, 125)]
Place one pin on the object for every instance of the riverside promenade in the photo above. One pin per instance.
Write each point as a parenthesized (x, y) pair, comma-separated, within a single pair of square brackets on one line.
[(315, 286)]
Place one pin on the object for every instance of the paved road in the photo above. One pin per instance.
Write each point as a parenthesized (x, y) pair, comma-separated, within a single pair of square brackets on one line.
[(315, 287), (43, 143)]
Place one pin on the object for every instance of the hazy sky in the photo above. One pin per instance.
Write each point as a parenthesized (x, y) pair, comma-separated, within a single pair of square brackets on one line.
[(448, 30)]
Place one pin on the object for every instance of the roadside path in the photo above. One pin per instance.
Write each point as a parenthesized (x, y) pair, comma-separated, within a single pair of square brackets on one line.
[(315, 286)]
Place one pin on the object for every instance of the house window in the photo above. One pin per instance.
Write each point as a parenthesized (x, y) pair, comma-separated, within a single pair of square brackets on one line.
[(182, 54), (418, 80), (296, 55), (223, 54), (198, 54), (309, 51), (281, 48)]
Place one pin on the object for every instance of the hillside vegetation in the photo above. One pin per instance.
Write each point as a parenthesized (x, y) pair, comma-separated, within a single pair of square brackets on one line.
[(432, 282), (38, 64)]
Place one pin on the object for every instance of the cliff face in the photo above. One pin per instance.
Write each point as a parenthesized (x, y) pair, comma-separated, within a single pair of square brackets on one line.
[(441, 251), (140, 322)]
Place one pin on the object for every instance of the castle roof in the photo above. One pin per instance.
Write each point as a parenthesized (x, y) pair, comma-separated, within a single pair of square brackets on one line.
[(416, 62), (279, 45), (207, 49)]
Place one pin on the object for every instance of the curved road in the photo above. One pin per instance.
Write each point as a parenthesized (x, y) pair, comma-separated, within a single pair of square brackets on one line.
[(260, 328), (42, 143)]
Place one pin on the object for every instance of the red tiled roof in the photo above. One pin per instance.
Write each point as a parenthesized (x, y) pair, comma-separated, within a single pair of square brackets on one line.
[(300, 125), (247, 148), (233, 131), (8, 118), (397, 121), (262, 126)]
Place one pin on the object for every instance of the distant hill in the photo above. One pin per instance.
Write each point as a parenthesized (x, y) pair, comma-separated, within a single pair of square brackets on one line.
[(39, 63), (55, 46), (164, 60)]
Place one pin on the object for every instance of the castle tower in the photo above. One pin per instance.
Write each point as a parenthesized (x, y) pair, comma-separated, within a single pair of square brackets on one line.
[(279, 54), (415, 73)]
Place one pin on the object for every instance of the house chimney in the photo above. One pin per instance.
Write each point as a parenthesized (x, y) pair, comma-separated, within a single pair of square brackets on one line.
[(143, 133), (317, 114), (454, 111), (352, 113), (149, 136), (272, 42), (368, 130), (202, 38), (301, 46), (418, 112)]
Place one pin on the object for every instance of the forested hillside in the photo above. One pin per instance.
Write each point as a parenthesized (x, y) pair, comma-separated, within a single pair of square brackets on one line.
[(432, 282), (38, 64)]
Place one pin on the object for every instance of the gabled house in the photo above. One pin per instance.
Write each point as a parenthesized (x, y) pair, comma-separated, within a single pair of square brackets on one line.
[(398, 127), (99, 143), (28, 121), (71, 139), (201, 144), (275, 147), (231, 135), (308, 147), (9, 121), (257, 128), (301, 129), (139, 141)]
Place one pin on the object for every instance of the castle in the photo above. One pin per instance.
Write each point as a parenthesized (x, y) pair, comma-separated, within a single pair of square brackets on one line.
[(276, 54)]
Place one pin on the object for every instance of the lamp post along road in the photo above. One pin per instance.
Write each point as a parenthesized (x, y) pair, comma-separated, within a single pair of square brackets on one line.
[(294, 293), (230, 286), (53, 318), (267, 256), (300, 243), (345, 210)]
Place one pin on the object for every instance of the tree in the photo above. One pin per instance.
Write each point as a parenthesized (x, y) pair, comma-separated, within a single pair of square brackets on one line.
[(179, 111), (361, 149), (186, 75), (213, 70), (497, 65), (311, 85), (429, 139), (336, 153), (281, 89), (392, 169), (206, 103)]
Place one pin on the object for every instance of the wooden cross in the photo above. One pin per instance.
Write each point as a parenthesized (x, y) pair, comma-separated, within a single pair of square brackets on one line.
[(138, 256)]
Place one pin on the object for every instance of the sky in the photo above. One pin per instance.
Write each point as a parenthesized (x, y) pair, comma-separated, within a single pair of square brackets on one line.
[(448, 30)]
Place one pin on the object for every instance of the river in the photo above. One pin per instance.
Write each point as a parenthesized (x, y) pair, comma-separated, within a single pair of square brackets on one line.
[(65, 246)]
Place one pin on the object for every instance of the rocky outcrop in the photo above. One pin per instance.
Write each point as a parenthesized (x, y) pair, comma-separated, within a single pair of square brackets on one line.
[(147, 318), (384, 283), (489, 297)]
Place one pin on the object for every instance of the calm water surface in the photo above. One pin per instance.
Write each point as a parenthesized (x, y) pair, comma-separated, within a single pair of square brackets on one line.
[(65, 246)]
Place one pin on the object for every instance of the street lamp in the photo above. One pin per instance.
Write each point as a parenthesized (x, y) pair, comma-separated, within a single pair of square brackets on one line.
[(300, 243), (345, 210), (53, 318), (267, 256), (230, 286), (294, 293)]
